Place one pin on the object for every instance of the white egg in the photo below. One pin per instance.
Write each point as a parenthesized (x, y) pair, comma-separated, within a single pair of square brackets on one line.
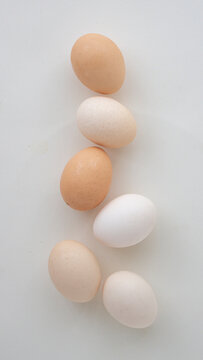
[(106, 122), (125, 221), (129, 299)]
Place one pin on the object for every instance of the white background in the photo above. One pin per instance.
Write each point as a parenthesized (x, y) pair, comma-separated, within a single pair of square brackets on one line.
[(39, 96)]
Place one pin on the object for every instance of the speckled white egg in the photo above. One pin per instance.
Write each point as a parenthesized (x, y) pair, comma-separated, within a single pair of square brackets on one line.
[(129, 299), (125, 221), (106, 122)]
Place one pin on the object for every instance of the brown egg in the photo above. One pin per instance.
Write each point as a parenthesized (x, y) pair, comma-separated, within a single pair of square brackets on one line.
[(74, 271), (86, 179), (98, 63)]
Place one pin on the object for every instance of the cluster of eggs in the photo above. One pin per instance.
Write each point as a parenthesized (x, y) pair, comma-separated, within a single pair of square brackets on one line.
[(85, 182)]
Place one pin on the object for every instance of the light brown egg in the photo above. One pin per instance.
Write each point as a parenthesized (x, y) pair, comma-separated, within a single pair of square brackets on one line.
[(86, 179), (98, 63), (74, 271)]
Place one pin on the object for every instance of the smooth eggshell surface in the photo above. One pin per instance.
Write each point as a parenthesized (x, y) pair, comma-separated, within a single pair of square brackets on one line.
[(98, 63), (74, 271), (86, 179), (106, 122), (125, 221), (129, 299)]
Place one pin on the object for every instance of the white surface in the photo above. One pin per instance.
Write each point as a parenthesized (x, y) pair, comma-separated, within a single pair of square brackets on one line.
[(39, 95)]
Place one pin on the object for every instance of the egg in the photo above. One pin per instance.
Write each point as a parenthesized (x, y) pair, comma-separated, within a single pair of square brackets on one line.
[(106, 122), (98, 63), (129, 299), (86, 179), (74, 271), (125, 221)]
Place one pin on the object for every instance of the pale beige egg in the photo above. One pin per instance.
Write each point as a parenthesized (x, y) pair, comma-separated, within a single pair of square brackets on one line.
[(130, 300), (74, 271), (98, 63), (86, 179), (106, 122)]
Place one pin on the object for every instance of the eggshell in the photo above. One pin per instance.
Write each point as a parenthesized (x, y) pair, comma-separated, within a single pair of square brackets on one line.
[(129, 299), (86, 179), (125, 221), (74, 271), (106, 122), (98, 63)]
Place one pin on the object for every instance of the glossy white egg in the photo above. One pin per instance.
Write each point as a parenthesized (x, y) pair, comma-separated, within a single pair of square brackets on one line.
[(125, 221), (129, 299), (106, 122)]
